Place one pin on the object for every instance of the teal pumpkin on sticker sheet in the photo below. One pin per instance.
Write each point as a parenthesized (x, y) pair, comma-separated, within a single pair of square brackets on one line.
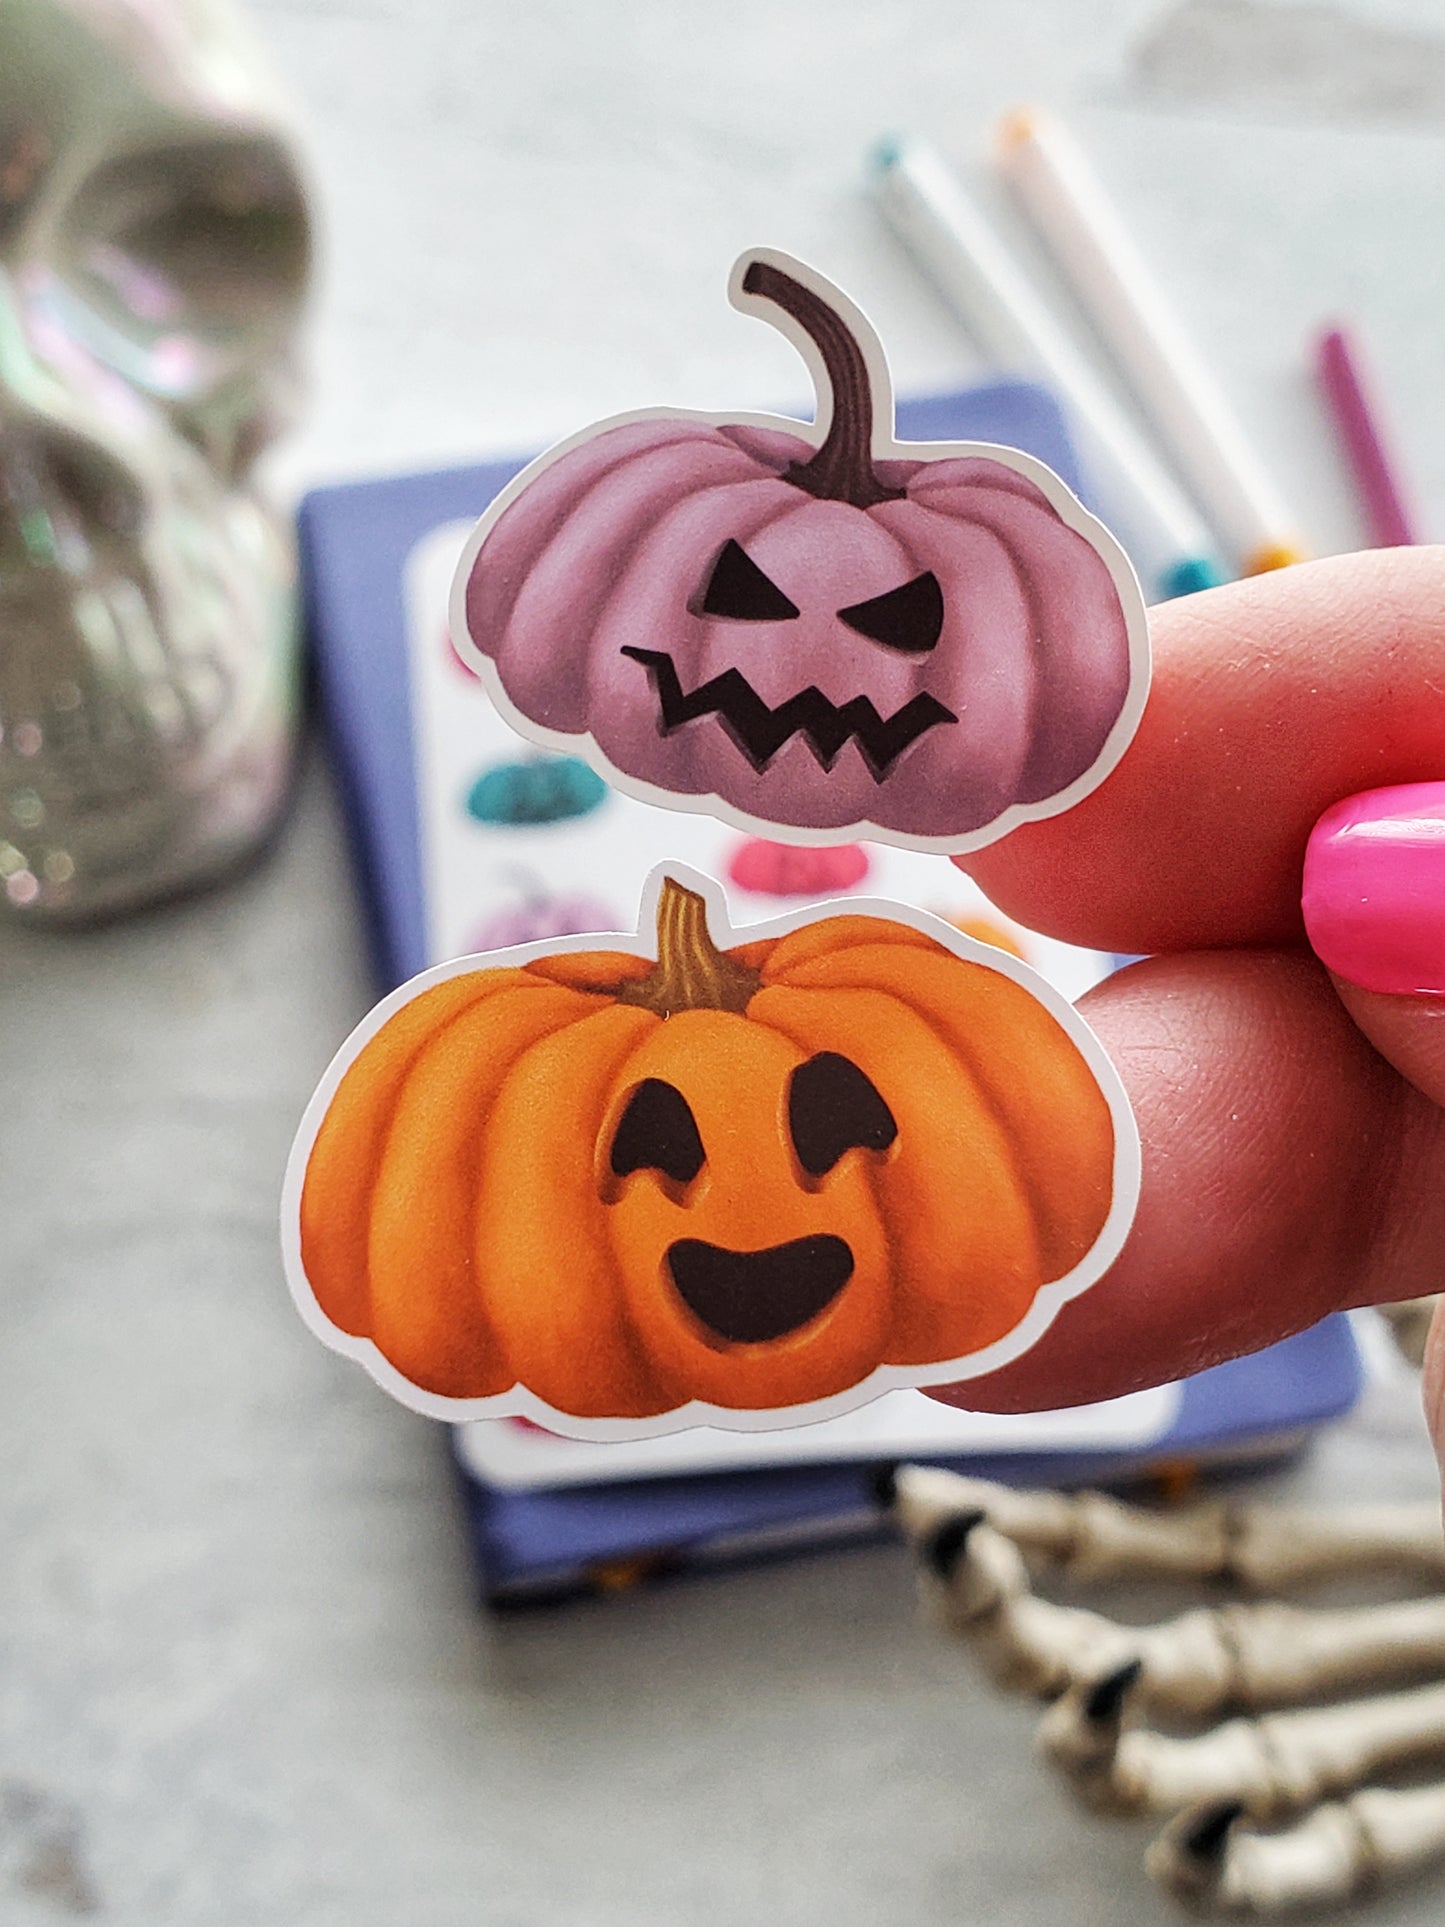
[(542, 789)]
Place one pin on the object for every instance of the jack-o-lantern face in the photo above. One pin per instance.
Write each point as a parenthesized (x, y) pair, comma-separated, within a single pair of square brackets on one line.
[(925, 643), (743, 1214), (737, 1181)]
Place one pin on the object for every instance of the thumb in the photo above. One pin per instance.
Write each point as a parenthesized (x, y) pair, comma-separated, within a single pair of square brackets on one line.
[(1374, 908)]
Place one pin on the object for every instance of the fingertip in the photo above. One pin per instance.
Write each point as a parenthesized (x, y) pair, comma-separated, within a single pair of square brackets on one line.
[(1373, 899), (1408, 1032), (1373, 891)]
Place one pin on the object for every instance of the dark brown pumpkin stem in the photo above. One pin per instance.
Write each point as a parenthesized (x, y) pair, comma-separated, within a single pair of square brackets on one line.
[(691, 973), (842, 470)]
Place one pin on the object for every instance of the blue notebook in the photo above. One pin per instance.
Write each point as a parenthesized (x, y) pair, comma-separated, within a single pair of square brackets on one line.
[(413, 740), (544, 1544)]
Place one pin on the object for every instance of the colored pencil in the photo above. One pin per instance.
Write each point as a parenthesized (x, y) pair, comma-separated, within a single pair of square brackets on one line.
[(1064, 199), (1348, 396), (927, 207)]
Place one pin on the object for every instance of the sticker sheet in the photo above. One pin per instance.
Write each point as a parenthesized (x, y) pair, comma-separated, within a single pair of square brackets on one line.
[(520, 1456)]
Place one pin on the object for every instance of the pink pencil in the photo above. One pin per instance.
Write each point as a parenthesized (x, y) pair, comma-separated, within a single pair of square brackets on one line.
[(1337, 367)]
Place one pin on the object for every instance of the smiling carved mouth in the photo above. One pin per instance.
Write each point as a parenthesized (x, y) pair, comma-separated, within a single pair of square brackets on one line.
[(760, 731), (748, 1297)]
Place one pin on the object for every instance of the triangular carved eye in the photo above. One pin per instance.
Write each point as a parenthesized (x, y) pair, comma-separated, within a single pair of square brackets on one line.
[(738, 590), (657, 1132), (832, 1108), (909, 618)]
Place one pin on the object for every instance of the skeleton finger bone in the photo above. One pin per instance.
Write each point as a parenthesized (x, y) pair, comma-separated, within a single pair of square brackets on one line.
[(1191, 1666), (1274, 1765), (1092, 1536), (980, 1587), (1340, 1850)]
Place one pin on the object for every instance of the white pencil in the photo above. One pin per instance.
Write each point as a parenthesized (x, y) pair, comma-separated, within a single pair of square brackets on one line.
[(929, 210), (1066, 203)]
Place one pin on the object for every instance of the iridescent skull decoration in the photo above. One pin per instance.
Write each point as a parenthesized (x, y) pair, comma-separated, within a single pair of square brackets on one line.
[(154, 253)]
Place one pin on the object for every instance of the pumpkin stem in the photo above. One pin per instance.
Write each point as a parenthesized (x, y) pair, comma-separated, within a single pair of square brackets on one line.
[(691, 973), (842, 469)]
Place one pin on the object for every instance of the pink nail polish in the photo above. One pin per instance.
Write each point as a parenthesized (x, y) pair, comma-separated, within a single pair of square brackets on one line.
[(1374, 889)]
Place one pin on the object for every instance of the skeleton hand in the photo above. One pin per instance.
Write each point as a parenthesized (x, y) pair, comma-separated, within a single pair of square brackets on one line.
[(973, 1535), (977, 1542)]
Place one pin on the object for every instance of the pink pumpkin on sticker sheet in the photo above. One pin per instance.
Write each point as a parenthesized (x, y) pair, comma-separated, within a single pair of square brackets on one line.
[(783, 870), (825, 633)]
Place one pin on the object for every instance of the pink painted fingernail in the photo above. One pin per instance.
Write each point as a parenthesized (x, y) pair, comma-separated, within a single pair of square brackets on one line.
[(1374, 889)]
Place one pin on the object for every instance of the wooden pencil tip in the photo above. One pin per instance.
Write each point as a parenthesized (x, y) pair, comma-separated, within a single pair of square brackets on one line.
[(1018, 125), (1274, 555)]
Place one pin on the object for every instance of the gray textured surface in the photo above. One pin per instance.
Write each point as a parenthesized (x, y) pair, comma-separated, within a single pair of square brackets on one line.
[(1323, 62), (242, 1681)]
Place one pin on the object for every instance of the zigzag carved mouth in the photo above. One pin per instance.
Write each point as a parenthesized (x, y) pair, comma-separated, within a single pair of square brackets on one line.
[(760, 731)]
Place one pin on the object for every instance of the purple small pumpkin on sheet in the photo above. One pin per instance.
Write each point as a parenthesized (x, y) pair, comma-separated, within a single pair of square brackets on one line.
[(537, 917), (814, 631)]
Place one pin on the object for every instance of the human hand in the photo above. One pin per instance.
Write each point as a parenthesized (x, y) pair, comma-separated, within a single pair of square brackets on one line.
[(1292, 1121)]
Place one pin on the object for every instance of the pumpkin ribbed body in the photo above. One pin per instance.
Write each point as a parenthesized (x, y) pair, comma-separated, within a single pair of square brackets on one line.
[(468, 1207)]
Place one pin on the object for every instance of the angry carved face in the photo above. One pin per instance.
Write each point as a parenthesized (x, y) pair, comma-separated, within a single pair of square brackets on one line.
[(907, 619)]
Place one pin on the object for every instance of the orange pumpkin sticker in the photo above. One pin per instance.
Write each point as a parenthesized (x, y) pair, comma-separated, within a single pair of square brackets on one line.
[(688, 1179)]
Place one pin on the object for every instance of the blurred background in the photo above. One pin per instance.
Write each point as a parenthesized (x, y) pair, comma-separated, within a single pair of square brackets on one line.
[(523, 226), (243, 1673)]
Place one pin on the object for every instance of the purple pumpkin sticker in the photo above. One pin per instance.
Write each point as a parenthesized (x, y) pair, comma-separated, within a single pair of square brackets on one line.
[(539, 917), (811, 630), (783, 870)]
